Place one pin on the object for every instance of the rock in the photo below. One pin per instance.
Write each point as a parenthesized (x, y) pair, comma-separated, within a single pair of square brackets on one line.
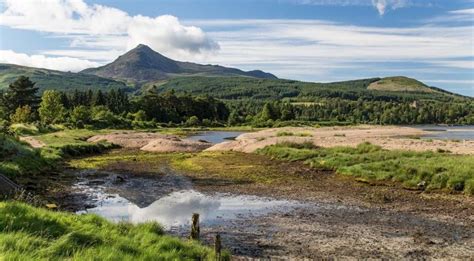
[(421, 185), (120, 178)]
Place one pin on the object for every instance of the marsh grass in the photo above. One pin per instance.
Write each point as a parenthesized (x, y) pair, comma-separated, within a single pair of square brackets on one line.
[(438, 171), (29, 233)]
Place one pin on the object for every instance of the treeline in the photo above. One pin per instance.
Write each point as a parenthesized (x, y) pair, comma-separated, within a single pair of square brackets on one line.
[(114, 108), (339, 110), (117, 109)]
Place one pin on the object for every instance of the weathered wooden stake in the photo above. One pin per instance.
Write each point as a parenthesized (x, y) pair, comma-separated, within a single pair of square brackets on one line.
[(195, 227), (218, 247)]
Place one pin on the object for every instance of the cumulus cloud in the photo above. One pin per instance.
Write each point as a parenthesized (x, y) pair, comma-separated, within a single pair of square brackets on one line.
[(89, 25), (41, 61)]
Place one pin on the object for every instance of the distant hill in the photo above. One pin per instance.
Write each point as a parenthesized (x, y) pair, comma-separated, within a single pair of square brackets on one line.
[(142, 64), (235, 88), (57, 80), (400, 84)]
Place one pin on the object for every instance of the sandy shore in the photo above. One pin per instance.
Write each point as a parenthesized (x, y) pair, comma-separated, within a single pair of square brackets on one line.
[(388, 137), (153, 142)]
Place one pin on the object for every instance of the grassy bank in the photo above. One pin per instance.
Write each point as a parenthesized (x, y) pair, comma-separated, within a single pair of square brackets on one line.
[(28, 233), (18, 158), (417, 170)]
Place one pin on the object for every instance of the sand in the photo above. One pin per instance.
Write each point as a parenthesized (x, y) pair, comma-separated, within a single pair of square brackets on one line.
[(388, 137), (33, 142), (153, 142)]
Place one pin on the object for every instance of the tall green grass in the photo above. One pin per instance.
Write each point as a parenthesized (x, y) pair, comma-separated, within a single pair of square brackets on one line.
[(18, 158), (421, 170), (28, 233)]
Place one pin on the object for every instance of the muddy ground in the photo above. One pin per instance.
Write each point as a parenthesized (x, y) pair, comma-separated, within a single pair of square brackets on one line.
[(342, 218)]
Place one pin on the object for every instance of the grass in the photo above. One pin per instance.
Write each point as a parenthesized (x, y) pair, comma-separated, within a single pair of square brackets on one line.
[(233, 167), (285, 133), (29, 233), (400, 84), (18, 158), (418, 170), (151, 160)]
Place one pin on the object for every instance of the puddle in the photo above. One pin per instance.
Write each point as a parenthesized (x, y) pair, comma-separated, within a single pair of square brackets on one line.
[(169, 200)]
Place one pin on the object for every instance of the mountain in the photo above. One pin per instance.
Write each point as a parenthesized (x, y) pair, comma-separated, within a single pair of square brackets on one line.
[(142, 64), (57, 80)]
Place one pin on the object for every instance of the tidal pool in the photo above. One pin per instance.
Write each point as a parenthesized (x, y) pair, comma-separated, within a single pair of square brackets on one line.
[(173, 205)]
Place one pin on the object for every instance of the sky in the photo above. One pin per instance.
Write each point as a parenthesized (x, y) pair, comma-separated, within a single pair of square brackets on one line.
[(308, 40)]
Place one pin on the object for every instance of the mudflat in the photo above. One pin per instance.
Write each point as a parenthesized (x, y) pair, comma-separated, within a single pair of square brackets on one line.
[(154, 142), (388, 137)]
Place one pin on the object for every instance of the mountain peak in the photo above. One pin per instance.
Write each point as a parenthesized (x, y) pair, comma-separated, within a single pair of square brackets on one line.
[(143, 47), (143, 64)]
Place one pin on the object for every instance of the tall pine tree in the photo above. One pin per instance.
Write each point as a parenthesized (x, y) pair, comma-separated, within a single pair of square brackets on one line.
[(20, 93)]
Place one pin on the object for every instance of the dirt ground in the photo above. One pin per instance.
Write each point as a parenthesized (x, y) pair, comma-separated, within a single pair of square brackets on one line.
[(389, 137), (154, 142), (33, 142), (340, 218), (348, 219)]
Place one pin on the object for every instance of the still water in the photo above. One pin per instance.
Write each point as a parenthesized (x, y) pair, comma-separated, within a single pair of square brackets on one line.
[(448, 132), (216, 136), (142, 199)]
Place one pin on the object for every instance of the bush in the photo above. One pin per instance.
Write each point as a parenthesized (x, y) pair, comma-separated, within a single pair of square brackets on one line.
[(22, 115), (24, 129), (193, 121)]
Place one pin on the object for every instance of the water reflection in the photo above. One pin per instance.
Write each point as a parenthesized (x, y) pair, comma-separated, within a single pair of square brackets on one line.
[(176, 208), (216, 136)]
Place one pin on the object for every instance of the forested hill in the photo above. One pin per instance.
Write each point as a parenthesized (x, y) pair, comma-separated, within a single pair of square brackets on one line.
[(235, 88), (56, 80)]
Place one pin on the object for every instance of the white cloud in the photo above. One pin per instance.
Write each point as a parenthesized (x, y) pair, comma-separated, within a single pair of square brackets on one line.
[(90, 25), (318, 50), (41, 61), (380, 5)]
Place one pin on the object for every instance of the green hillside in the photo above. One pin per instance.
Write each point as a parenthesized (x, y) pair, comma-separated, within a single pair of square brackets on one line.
[(234, 88), (50, 79), (400, 84)]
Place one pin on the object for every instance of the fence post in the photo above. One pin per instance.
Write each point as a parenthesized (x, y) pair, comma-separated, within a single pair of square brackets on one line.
[(195, 227), (218, 247)]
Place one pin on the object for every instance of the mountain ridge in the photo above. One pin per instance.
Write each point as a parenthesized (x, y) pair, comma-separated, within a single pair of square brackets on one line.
[(142, 64)]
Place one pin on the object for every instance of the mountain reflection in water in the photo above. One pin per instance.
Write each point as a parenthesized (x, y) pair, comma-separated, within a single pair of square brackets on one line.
[(176, 208)]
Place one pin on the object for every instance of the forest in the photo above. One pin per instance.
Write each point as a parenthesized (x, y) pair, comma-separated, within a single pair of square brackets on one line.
[(186, 106)]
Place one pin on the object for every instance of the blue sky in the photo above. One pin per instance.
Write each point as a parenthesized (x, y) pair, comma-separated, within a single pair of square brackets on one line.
[(310, 40)]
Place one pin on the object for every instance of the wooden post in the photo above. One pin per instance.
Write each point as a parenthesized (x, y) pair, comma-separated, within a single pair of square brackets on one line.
[(195, 227), (218, 247)]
